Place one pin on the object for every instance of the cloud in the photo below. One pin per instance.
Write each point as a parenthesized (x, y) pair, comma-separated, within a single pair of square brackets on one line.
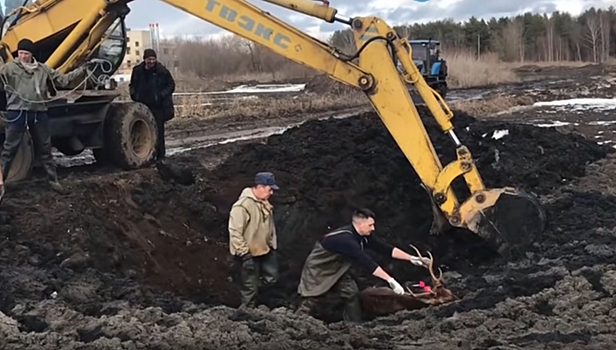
[(174, 22)]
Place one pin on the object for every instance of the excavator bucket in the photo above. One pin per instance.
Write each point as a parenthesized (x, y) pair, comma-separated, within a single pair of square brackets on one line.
[(507, 218)]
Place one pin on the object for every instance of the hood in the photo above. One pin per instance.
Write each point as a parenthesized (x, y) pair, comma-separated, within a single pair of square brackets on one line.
[(247, 193), (28, 68)]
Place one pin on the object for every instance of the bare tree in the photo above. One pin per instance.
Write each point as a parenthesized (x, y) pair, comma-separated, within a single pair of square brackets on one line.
[(512, 41), (593, 29), (605, 26), (549, 38)]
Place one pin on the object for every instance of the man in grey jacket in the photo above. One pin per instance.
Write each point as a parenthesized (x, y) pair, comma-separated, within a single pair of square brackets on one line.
[(25, 81)]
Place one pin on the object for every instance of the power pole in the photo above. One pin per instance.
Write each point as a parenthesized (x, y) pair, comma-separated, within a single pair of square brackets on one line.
[(478, 46)]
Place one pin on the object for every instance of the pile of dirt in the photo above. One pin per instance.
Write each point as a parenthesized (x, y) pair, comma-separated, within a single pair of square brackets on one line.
[(323, 84), (79, 270), (328, 167)]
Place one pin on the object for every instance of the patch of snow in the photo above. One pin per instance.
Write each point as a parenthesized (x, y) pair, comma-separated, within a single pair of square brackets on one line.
[(580, 104), (498, 134), (554, 123), (578, 101), (602, 122), (245, 89), (250, 89)]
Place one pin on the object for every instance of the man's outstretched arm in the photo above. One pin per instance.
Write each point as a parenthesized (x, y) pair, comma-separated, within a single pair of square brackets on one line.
[(384, 248), (400, 254), (349, 249)]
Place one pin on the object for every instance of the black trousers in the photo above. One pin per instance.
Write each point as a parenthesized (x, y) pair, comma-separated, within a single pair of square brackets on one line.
[(349, 293), (264, 274), (161, 117), (15, 128)]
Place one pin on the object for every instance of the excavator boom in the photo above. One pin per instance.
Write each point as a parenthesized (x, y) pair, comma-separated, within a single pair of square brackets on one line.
[(505, 217)]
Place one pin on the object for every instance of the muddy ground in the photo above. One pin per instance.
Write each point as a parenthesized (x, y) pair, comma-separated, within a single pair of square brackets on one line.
[(140, 259)]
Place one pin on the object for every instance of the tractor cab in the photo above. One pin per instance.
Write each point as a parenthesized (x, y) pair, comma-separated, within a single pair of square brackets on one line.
[(426, 56)]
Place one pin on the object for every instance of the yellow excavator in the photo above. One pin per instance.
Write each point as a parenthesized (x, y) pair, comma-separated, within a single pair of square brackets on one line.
[(67, 33)]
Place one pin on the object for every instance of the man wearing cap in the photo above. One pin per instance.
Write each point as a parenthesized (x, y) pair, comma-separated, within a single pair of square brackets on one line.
[(25, 81), (252, 237), (151, 83), (327, 265)]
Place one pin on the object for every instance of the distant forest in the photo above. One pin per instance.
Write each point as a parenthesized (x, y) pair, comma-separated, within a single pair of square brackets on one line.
[(590, 37)]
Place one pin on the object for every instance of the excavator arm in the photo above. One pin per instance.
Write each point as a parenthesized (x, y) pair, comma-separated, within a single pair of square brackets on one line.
[(505, 217)]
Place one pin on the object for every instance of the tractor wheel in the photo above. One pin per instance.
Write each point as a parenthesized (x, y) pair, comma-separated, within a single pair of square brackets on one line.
[(130, 136), (22, 163)]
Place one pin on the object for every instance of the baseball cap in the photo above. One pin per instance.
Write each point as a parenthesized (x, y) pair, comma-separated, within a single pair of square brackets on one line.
[(266, 179)]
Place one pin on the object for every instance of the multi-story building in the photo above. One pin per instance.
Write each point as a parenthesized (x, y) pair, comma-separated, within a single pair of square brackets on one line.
[(136, 42)]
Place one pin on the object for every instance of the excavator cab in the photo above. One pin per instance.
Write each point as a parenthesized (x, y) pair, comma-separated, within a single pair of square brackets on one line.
[(111, 53)]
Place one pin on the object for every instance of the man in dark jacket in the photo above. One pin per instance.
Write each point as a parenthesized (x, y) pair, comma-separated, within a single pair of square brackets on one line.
[(327, 265), (151, 83)]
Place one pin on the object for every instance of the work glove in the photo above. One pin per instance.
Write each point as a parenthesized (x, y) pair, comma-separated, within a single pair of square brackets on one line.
[(395, 286), (424, 262), (247, 262)]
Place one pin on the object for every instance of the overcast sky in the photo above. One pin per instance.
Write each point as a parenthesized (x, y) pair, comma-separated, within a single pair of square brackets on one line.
[(175, 22)]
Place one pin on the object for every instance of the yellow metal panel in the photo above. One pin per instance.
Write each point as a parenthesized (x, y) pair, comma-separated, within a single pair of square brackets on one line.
[(394, 105), (310, 8), (252, 23), (52, 17)]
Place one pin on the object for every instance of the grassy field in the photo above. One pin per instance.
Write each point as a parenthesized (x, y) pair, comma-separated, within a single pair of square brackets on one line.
[(465, 71)]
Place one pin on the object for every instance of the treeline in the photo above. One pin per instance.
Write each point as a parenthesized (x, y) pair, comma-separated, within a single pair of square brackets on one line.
[(590, 37), (560, 36)]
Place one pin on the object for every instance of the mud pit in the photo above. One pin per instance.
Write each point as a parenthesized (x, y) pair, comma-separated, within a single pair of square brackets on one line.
[(126, 260)]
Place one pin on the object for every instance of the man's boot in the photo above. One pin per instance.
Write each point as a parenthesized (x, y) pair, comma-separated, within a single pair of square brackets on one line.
[(53, 179), (305, 305)]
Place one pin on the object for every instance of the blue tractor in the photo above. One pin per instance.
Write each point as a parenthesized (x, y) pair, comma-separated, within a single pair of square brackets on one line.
[(426, 56)]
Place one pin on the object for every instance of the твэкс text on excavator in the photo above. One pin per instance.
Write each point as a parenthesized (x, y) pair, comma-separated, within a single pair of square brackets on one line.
[(66, 33)]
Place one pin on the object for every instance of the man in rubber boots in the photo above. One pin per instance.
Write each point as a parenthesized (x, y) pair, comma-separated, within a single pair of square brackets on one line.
[(252, 236), (327, 265), (25, 81), (151, 83)]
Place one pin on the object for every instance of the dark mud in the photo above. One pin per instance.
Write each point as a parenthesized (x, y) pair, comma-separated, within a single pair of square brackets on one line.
[(80, 271)]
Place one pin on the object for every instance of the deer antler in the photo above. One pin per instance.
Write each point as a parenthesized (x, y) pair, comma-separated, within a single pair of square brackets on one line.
[(417, 251), (436, 281)]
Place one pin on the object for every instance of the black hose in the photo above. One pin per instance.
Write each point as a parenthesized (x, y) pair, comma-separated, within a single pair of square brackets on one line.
[(356, 55)]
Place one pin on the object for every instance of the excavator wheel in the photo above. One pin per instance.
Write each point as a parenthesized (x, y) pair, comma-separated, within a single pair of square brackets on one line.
[(130, 136), (508, 219), (22, 164)]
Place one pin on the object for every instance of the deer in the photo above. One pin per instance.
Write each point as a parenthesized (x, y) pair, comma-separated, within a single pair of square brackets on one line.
[(383, 300)]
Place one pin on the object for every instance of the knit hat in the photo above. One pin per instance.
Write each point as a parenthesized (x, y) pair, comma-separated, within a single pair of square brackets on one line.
[(149, 53), (25, 45)]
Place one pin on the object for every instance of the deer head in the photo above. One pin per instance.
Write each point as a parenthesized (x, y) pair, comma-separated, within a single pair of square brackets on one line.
[(383, 300)]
